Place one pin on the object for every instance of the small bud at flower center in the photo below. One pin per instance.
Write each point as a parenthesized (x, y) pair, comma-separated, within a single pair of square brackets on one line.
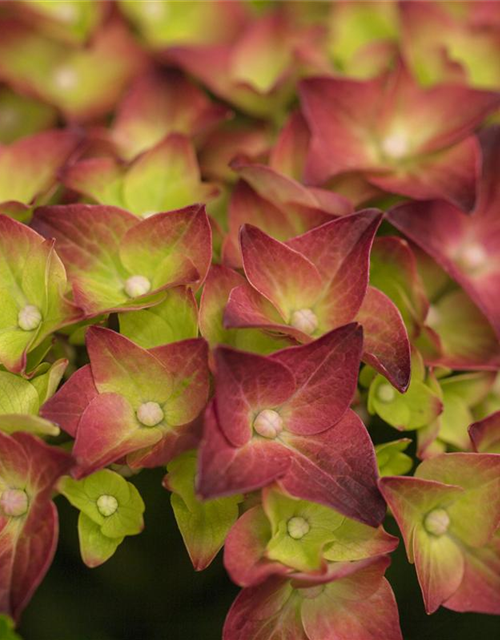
[(473, 256), (137, 286), (66, 12), (107, 505), (304, 320), (297, 527), (268, 423), (66, 78), (437, 522), (395, 145), (29, 318), (14, 502), (150, 414), (385, 393)]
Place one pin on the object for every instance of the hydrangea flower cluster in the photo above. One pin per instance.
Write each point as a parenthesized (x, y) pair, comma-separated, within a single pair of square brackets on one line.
[(235, 239)]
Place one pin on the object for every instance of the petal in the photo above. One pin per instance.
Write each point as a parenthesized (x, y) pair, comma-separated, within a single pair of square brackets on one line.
[(440, 567), (336, 468), (246, 384), (333, 616), (159, 103), (245, 547), (226, 470), (120, 366), (88, 239), (187, 363), (66, 407), (285, 277), (386, 345), (485, 434), (475, 515), (326, 374), (448, 175), (410, 499), (109, 430), (165, 247)]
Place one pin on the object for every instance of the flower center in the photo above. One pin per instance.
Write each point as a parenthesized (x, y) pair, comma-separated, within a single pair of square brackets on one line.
[(268, 423), (107, 505), (304, 320), (297, 527), (395, 146), (66, 12), (150, 414), (155, 9), (437, 522), (29, 318), (137, 286), (65, 77), (473, 256), (386, 393), (14, 502)]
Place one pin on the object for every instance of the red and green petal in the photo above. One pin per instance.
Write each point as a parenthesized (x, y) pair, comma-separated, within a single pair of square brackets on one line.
[(246, 384), (340, 250), (83, 83), (66, 407), (464, 246), (218, 286), (109, 430), (386, 345), (485, 434), (354, 607), (285, 277), (245, 550), (170, 248), (225, 470), (119, 366), (88, 240), (29, 167), (157, 104), (327, 364), (336, 468)]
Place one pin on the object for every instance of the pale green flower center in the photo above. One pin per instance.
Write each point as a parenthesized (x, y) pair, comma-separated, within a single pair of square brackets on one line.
[(473, 256), (137, 286), (396, 145), (304, 320), (150, 414), (14, 502), (65, 78), (297, 527), (437, 522), (386, 393), (107, 505), (268, 423), (29, 318)]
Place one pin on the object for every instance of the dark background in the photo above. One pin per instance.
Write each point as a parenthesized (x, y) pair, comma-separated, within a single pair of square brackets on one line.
[(149, 590)]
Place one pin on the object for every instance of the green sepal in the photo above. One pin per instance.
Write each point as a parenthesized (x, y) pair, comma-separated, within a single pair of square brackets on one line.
[(305, 553), (174, 319), (391, 460), (17, 395), (411, 410), (48, 379), (84, 494), (7, 628), (366, 376), (10, 423), (95, 547), (203, 525)]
